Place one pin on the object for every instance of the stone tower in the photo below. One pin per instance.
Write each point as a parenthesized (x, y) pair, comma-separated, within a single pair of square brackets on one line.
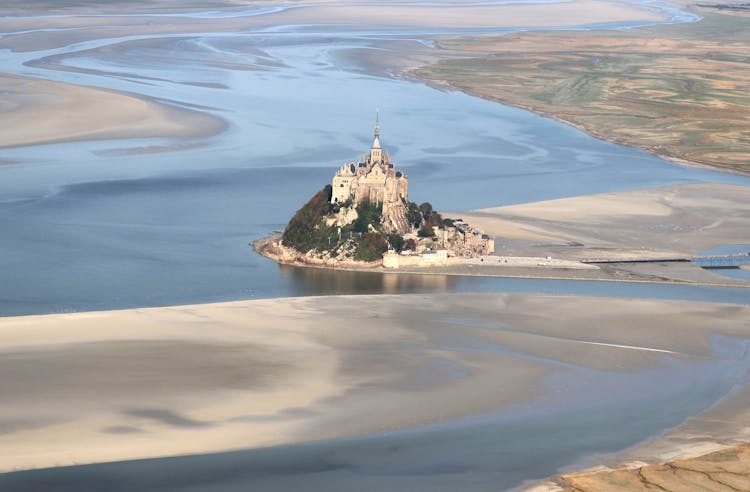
[(375, 178)]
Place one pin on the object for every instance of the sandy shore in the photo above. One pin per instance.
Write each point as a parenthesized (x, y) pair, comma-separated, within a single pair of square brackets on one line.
[(38, 111), (102, 386), (664, 222)]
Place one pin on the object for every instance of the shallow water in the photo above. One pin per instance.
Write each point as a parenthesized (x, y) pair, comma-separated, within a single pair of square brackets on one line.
[(91, 225), (102, 228)]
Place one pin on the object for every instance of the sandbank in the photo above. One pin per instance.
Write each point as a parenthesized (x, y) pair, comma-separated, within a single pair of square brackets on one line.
[(37, 111), (63, 30), (104, 386), (664, 222), (575, 13)]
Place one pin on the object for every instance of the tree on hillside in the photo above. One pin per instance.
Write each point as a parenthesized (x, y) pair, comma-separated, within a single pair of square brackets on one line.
[(303, 232), (371, 247), (396, 241), (414, 215), (426, 231), (368, 213), (426, 209)]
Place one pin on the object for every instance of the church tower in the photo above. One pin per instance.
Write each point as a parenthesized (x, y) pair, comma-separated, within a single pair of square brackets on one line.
[(376, 153), (375, 179)]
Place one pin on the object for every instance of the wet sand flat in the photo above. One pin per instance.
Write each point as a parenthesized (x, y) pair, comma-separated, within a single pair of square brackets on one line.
[(579, 12), (37, 111), (664, 222), (23, 32), (105, 386)]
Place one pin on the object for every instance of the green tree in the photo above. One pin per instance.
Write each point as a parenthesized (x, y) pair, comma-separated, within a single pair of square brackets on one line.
[(371, 247), (426, 209), (435, 219), (414, 215), (305, 230), (396, 241), (368, 214)]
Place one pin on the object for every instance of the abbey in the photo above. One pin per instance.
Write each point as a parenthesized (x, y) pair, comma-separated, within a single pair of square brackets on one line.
[(375, 179)]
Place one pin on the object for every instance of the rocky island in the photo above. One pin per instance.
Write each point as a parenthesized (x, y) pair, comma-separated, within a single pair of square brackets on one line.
[(364, 219)]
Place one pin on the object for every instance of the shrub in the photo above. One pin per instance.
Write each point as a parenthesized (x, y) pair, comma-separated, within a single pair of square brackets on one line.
[(396, 241), (371, 247), (435, 220), (426, 231)]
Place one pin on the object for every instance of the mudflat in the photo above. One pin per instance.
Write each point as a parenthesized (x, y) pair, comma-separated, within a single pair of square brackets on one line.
[(667, 222), (38, 111), (116, 385)]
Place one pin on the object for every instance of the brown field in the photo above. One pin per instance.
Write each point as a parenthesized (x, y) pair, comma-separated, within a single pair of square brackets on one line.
[(679, 91)]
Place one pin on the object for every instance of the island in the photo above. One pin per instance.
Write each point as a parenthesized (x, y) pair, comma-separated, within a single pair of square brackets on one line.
[(364, 219)]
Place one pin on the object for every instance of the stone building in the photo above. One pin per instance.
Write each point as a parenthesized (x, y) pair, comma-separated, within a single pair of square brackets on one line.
[(375, 178)]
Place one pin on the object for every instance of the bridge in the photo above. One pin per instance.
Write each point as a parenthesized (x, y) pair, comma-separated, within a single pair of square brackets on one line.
[(709, 262)]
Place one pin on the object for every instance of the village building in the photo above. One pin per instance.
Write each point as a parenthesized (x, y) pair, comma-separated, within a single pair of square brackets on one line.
[(375, 179)]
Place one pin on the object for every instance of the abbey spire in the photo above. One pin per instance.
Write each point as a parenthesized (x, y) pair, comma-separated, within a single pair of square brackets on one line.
[(375, 179), (376, 153)]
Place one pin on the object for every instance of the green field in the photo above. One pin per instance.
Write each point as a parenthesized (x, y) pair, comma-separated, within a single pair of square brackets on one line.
[(680, 91)]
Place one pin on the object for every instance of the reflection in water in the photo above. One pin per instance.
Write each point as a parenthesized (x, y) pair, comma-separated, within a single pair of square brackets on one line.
[(319, 281)]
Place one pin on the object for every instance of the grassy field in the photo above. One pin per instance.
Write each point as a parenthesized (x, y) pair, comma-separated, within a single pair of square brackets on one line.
[(679, 91)]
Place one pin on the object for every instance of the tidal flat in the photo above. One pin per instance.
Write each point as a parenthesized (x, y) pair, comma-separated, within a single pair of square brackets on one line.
[(414, 392), (317, 393)]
